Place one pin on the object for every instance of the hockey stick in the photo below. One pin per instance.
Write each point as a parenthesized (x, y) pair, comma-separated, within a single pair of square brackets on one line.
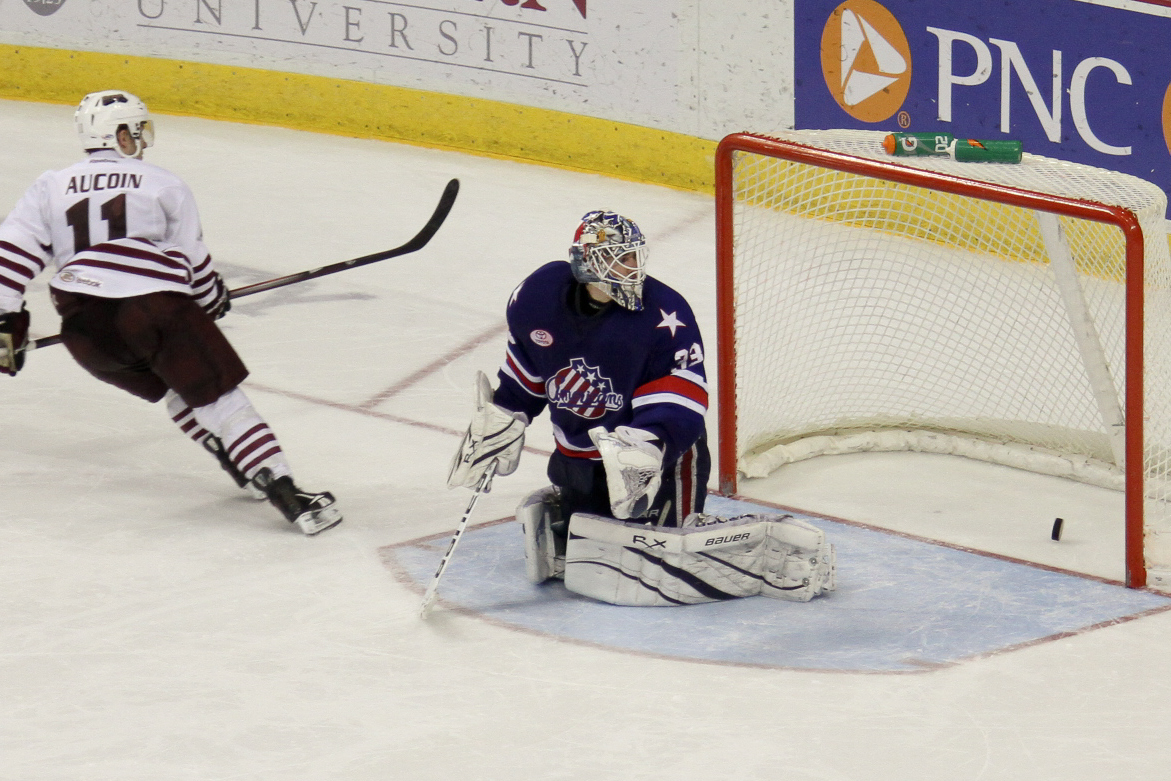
[(446, 201), (482, 487)]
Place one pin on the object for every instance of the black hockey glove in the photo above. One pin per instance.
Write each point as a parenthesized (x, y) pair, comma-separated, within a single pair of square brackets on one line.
[(13, 340)]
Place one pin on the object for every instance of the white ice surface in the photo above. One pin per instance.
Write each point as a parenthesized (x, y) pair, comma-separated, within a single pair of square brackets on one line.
[(156, 625)]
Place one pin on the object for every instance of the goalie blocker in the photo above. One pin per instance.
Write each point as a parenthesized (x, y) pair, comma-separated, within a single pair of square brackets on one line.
[(708, 559)]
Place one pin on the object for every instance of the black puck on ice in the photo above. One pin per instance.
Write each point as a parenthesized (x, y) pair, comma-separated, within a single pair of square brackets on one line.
[(1057, 524)]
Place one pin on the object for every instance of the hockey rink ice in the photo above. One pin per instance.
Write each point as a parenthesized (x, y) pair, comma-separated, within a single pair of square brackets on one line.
[(155, 623)]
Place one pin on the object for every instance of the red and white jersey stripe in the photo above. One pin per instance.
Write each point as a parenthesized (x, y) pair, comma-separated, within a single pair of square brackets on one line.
[(571, 450), (514, 368), (133, 267), (18, 267), (682, 387)]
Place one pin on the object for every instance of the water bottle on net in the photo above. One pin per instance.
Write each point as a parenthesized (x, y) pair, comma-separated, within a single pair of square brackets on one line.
[(947, 145)]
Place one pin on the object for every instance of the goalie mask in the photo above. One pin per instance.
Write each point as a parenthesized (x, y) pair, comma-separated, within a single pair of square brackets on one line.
[(610, 251), (100, 114)]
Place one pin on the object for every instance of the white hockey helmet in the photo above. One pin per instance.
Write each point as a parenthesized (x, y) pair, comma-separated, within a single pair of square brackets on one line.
[(610, 251), (100, 114)]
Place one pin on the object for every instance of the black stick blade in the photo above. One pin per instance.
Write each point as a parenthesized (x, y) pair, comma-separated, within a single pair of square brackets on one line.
[(420, 239)]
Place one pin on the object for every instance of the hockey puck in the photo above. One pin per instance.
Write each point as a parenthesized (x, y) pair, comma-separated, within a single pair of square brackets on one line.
[(1056, 534)]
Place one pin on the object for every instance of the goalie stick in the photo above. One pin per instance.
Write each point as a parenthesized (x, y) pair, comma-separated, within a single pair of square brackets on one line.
[(482, 487), (446, 201)]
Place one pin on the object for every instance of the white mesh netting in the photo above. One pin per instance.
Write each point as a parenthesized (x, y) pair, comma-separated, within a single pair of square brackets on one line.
[(873, 315)]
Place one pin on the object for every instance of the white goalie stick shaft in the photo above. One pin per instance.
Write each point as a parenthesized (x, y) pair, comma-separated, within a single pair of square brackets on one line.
[(482, 487), (420, 239)]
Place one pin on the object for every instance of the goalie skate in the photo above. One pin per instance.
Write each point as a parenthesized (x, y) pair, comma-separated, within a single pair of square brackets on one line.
[(312, 513)]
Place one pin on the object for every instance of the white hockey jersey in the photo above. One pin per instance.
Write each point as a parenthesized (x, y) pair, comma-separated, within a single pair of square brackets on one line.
[(113, 227)]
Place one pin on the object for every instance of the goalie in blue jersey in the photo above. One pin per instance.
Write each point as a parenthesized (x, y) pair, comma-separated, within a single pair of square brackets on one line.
[(617, 358)]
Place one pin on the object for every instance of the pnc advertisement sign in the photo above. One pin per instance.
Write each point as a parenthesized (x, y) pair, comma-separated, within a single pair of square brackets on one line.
[(1070, 79)]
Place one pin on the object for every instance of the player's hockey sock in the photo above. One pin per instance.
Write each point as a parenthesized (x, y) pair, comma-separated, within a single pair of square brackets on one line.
[(184, 417), (249, 442)]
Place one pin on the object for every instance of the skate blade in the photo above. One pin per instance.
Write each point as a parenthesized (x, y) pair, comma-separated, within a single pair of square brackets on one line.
[(317, 521)]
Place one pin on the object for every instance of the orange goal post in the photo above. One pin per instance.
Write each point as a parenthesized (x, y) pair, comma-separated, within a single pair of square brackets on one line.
[(1013, 313)]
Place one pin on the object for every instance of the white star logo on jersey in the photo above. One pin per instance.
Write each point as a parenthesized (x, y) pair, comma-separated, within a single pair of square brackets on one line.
[(670, 321), (858, 85), (515, 293)]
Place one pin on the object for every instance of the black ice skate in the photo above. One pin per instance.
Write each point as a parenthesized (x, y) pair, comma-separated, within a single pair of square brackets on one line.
[(312, 513), (215, 446)]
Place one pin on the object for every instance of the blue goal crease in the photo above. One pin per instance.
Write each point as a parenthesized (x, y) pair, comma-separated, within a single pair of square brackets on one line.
[(901, 605)]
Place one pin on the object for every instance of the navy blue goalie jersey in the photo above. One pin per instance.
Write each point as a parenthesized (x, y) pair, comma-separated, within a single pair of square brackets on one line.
[(611, 368)]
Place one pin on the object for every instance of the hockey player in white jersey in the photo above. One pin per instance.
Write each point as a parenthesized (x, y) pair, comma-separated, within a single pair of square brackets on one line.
[(138, 295)]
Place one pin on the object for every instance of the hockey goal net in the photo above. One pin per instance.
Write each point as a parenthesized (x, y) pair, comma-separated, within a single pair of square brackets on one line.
[(1015, 313)]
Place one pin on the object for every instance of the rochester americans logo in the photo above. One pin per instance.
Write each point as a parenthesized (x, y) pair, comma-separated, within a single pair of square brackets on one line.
[(582, 390)]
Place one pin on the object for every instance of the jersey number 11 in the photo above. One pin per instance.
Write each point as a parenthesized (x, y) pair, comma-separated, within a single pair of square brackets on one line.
[(113, 212)]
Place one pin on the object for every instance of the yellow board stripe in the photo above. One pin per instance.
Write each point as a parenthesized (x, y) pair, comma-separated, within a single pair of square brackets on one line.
[(362, 110)]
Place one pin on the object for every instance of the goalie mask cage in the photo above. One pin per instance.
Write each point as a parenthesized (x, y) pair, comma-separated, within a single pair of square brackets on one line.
[(1015, 313)]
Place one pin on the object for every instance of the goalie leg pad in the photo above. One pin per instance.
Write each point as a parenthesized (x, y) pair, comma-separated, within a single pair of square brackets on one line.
[(538, 513), (803, 564), (710, 558), (625, 563)]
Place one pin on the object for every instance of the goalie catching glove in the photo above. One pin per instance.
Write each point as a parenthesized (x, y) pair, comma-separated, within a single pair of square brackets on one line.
[(13, 340), (634, 468), (495, 434)]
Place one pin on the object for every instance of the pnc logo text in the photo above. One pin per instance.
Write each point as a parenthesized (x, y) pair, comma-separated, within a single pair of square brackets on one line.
[(866, 63)]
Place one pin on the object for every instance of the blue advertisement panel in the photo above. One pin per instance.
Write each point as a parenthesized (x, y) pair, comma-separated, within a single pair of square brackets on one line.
[(1072, 79)]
